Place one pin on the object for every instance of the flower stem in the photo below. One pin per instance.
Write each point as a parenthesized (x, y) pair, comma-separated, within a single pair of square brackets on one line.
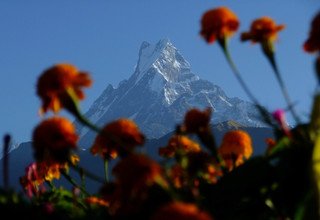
[(106, 167), (271, 58), (73, 182), (87, 173), (264, 113), (71, 104), (6, 140)]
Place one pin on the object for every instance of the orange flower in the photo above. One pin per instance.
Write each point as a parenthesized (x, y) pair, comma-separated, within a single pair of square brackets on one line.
[(93, 200), (176, 174), (218, 23), (196, 121), (236, 145), (136, 172), (118, 137), (312, 44), (179, 143), (56, 82), (180, 210), (202, 165), (53, 140), (262, 29)]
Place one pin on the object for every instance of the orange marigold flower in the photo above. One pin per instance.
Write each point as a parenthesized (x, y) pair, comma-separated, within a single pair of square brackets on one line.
[(196, 121), (202, 165), (118, 137), (93, 200), (136, 172), (218, 23), (176, 174), (236, 145), (54, 83), (262, 29), (180, 210), (312, 44), (179, 143), (53, 140)]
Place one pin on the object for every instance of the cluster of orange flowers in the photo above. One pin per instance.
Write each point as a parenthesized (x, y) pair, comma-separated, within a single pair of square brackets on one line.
[(135, 174)]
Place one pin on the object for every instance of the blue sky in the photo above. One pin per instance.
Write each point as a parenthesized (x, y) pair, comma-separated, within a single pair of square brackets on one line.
[(103, 38)]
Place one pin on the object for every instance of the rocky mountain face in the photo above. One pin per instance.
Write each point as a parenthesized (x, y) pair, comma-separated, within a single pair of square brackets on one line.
[(159, 93)]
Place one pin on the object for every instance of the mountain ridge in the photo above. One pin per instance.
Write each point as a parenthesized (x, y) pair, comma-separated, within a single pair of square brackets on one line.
[(160, 91)]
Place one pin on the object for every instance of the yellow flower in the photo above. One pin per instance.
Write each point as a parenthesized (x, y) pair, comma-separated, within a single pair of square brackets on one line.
[(54, 84), (180, 210), (262, 29), (179, 143), (53, 140), (312, 44), (236, 145), (218, 24), (117, 137)]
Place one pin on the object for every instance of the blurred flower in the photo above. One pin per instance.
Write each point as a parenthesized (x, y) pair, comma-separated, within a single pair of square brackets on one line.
[(236, 145), (218, 24), (93, 200), (53, 171), (136, 172), (202, 165), (177, 175), (280, 116), (180, 210), (55, 83), (180, 144), (262, 29), (53, 139), (36, 174), (196, 121), (312, 44), (118, 137), (74, 159), (32, 181)]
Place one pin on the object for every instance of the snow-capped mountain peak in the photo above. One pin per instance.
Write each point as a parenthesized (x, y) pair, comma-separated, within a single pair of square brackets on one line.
[(163, 58), (159, 93)]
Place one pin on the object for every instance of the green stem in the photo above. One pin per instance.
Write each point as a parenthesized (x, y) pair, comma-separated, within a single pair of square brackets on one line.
[(271, 58), (264, 113), (87, 173), (82, 178), (51, 185), (106, 168), (70, 102), (73, 182), (208, 139)]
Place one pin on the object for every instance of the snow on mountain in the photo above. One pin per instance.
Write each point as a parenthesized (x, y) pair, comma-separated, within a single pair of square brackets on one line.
[(159, 93)]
